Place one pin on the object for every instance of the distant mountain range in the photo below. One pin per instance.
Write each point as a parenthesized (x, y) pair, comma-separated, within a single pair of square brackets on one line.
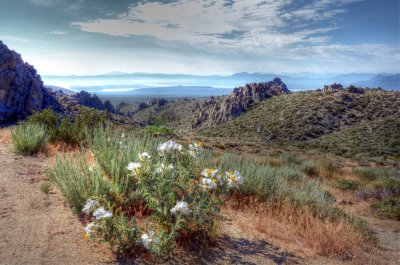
[(117, 83)]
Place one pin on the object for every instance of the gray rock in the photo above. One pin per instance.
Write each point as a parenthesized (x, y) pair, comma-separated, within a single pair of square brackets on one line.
[(21, 88)]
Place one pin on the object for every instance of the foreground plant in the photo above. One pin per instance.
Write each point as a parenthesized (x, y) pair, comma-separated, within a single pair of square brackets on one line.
[(142, 194), (29, 139)]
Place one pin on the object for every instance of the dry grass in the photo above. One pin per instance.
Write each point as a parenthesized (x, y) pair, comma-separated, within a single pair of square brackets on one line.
[(300, 233), (5, 136)]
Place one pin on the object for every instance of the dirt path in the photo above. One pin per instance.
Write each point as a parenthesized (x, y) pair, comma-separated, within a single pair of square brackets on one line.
[(36, 228)]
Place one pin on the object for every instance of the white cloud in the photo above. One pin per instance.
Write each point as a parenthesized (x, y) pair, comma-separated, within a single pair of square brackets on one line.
[(58, 32), (251, 25)]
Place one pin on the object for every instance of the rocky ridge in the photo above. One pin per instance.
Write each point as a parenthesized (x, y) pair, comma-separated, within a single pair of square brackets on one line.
[(217, 110)]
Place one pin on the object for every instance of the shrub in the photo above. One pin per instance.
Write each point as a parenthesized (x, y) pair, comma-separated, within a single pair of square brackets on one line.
[(345, 184), (165, 186), (49, 119), (45, 187), (387, 208), (29, 138), (161, 130)]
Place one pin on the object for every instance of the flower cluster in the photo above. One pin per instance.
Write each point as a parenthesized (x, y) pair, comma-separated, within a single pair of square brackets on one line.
[(144, 156), (134, 167), (163, 168), (169, 147), (211, 180), (99, 213), (195, 149), (149, 239), (181, 207)]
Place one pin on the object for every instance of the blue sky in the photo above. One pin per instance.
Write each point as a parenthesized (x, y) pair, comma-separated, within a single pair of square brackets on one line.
[(204, 36)]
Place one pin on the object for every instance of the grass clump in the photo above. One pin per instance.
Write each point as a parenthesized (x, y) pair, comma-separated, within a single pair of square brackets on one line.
[(383, 186), (387, 208), (45, 187), (159, 130), (29, 139), (346, 184)]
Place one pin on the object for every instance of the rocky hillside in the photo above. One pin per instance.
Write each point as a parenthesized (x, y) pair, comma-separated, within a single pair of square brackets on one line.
[(21, 88), (221, 109), (321, 119)]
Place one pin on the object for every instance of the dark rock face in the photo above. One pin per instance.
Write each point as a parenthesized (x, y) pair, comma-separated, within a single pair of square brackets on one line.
[(21, 88), (222, 109), (93, 101)]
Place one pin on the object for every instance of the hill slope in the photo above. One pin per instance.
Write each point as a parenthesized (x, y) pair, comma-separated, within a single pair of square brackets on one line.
[(299, 117)]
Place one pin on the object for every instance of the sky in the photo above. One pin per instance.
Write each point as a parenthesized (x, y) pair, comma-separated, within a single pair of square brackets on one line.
[(204, 37)]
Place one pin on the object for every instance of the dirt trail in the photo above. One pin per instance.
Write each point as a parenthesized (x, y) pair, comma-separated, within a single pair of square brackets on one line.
[(36, 228)]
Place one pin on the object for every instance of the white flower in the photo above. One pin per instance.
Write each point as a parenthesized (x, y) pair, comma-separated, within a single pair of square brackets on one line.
[(208, 183), (194, 149), (89, 204), (89, 229), (108, 139), (234, 179), (134, 167), (163, 168), (101, 213), (168, 147), (123, 135), (209, 172), (181, 207), (144, 156), (92, 167), (148, 239)]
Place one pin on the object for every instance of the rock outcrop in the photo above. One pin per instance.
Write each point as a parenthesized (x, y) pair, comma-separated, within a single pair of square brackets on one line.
[(333, 88), (21, 88), (217, 110), (93, 101)]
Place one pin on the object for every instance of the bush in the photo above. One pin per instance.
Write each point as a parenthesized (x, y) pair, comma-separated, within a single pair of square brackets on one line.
[(71, 130), (387, 208), (49, 119), (164, 186), (29, 139), (161, 130), (45, 187)]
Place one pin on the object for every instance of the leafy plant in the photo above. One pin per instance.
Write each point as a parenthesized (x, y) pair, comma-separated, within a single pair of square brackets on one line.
[(29, 138)]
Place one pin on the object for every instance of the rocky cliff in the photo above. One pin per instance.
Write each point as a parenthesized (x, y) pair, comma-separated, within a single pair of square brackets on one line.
[(21, 88), (222, 109)]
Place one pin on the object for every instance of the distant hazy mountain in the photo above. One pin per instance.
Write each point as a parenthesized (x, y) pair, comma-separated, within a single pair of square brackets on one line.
[(173, 91), (389, 82), (61, 90), (119, 82)]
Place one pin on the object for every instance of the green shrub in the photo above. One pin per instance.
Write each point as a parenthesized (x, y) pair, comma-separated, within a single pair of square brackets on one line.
[(150, 192), (387, 208), (159, 130), (45, 187), (345, 184), (380, 178), (279, 185), (49, 119), (29, 138)]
